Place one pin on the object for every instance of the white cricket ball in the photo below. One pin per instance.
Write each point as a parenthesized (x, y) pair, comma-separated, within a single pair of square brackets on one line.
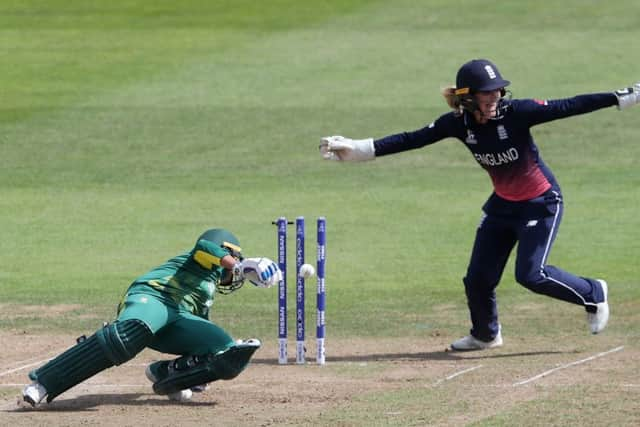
[(307, 270), (181, 396)]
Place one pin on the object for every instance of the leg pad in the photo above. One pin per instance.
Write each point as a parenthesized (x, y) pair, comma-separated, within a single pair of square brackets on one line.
[(188, 371), (112, 345)]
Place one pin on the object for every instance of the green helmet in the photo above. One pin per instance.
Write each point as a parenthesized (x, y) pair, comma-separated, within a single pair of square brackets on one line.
[(225, 239)]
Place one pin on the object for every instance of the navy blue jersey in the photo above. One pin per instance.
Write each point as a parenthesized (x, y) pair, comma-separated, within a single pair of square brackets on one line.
[(504, 147)]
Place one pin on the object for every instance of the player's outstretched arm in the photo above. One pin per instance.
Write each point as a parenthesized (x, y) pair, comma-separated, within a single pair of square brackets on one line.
[(345, 149), (628, 97)]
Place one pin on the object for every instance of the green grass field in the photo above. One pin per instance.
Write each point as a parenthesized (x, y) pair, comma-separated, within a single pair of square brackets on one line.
[(129, 127)]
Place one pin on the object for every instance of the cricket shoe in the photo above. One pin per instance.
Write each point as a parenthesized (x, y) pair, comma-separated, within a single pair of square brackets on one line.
[(598, 320), (157, 370), (470, 343), (200, 388), (34, 393), (251, 342)]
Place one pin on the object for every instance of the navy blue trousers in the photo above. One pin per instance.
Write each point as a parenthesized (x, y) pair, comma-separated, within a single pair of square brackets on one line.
[(533, 225)]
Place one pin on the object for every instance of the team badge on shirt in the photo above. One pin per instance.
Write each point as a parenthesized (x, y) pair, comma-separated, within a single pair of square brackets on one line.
[(471, 138), (502, 132)]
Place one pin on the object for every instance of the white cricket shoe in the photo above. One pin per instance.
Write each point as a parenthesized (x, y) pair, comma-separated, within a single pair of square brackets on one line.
[(251, 342), (598, 320), (34, 393), (470, 343)]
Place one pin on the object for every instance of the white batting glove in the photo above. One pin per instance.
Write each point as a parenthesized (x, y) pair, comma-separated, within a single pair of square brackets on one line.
[(262, 272), (628, 97), (345, 149)]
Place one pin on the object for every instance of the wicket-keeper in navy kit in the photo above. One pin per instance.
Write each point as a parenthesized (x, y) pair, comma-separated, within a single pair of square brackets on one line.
[(526, 204), (167, 309)]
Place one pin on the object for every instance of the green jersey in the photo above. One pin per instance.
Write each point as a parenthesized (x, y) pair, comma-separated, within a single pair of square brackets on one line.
[(188, 280)]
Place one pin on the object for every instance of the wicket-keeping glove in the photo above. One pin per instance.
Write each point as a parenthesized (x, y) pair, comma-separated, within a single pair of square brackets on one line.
[(262, 272), (628, 97), (345, 149)]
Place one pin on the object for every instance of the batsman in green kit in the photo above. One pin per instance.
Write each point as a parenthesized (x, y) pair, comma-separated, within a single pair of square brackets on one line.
[(167, 309)]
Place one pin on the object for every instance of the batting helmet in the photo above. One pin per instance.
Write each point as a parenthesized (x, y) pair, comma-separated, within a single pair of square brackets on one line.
[(479, 75), (223, 238)]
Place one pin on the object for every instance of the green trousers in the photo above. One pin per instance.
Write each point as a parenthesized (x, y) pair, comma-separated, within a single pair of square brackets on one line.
[(175, 330)]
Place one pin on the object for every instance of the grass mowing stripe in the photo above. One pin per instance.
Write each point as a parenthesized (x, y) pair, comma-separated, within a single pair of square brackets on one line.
[(63, 51)]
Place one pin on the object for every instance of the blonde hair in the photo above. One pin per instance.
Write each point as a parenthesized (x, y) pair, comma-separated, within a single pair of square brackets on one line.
[(453, 100)]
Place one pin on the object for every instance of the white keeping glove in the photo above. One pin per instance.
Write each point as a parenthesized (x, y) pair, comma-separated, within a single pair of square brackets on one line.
[(345, 149), (628, 97), (262, 272)]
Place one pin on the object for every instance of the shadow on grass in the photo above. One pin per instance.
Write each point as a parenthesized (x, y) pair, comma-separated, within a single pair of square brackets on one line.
[(430, 355), (91, 402)]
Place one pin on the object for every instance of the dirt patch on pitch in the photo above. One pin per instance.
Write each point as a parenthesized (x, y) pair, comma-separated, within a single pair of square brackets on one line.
[(352, 386)]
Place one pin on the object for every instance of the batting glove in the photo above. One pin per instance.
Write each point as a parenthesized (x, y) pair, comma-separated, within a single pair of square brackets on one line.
[(345, 149), (628, 97), (262, 272)]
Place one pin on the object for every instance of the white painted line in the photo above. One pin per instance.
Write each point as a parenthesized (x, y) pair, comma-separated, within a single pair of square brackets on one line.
[(19, 368), (86, 386), (577, 362), (25, 360), (452, 376), (40, 362), (28, 365)]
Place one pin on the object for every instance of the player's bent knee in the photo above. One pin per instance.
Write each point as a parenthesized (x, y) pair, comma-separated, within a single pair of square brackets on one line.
[(122, 340), (530, 279), (188, 371)]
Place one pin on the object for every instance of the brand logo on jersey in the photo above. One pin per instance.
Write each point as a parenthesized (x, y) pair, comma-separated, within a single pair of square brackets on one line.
[(490, 72), (497, 159), (502, 132), (541, 101), (482, 218), (532, 223), (471, 138)]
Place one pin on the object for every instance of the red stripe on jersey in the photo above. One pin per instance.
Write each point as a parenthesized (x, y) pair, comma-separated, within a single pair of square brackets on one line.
[(519, 182)]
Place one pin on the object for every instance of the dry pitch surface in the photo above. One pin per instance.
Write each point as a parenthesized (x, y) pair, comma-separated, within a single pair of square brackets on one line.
[(356, 387)]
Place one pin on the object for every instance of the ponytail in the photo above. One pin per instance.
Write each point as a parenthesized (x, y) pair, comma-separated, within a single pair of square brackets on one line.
[(453, 100)]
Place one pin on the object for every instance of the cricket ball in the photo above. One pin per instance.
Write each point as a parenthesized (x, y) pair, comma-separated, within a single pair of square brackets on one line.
[(306, 271)]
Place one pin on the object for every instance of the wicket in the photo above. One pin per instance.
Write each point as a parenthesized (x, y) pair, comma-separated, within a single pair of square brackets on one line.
[(281, 224)]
